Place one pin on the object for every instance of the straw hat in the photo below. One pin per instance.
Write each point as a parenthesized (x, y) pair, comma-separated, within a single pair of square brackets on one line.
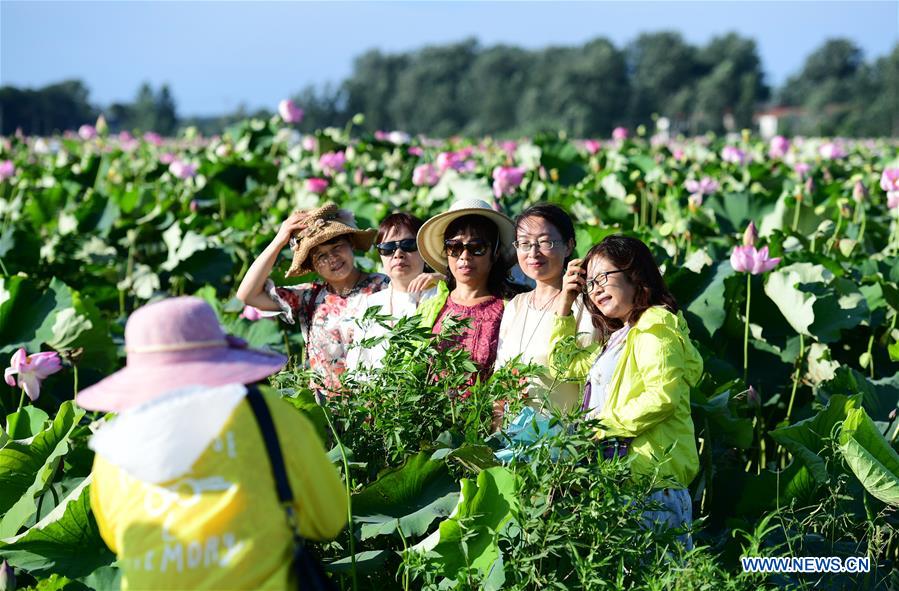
[(430, 235), (171, 344), (325, 223)]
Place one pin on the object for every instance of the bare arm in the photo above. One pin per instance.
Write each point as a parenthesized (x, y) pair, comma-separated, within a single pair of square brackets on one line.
[(251, 288)]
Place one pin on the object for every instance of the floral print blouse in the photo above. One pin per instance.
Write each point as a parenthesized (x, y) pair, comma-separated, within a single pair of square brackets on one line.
[(480, 339), (328, 331)]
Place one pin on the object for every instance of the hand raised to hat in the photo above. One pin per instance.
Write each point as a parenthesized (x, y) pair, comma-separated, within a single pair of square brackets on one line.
[(296, 222)]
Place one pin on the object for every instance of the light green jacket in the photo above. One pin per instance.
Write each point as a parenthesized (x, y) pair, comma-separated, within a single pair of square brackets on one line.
[(649, 395)]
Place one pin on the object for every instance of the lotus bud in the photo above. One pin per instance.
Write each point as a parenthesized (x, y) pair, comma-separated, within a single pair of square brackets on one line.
[(7, 577), (859, 192), (358, 119), (750, 235), (809, 185), (753, 398), (101, 126)]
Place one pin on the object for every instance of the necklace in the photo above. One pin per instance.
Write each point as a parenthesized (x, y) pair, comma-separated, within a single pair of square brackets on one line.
[(521, 344), (347, 290)]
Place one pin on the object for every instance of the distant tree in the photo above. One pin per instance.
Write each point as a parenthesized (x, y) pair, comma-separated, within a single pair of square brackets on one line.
[(371, 86), (48, 110), (166, 116), (661, 67)]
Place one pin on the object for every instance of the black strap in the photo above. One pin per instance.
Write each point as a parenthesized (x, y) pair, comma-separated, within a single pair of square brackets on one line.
[(270, 437)]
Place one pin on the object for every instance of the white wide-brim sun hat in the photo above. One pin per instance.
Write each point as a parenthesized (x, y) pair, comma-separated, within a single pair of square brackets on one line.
[(430, 235)]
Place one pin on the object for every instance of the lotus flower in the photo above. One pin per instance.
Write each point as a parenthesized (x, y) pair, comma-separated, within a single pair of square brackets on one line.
[(425, 175), (620, 133), (183, 170), (154, 138), (746, 259), (832, 150), (87, 132), (32, 370), (7, 170), (332, 162), (289, 112), (801, 169), (592, 146), (127, 142), (753, 398), (455, 160), (506, 179), (778, 147), (309, 143), (889, 182), (250, 313), (316, 185), (415, 151), (733, 154), (705, 186), (509, 147), (859, 192)]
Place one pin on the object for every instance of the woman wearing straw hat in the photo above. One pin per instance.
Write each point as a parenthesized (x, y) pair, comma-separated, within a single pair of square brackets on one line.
[(471, 244), (179, 486), (323, 241)]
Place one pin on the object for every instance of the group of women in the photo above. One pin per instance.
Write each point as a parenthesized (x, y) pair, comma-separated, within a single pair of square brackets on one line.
[(605, 330)]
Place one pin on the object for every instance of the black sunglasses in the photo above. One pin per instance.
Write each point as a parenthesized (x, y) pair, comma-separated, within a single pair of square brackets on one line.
[(388, 248), (454, 248)]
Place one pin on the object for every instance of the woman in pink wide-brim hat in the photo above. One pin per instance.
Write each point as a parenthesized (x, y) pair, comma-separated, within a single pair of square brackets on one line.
[(182, 486)]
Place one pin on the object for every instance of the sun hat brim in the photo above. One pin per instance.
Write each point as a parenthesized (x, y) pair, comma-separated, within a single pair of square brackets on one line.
[(430, 235), (136, 384)]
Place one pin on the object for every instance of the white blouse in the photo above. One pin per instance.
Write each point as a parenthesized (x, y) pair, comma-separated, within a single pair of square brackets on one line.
[(396, 304), (526, 330)]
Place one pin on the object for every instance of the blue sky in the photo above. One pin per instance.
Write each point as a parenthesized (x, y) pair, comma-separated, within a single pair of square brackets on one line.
[(216, 55)]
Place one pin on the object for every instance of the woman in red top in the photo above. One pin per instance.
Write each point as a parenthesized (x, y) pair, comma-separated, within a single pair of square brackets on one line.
[(471, 243)]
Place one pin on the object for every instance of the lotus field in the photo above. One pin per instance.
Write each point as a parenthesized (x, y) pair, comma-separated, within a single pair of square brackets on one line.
[(783, 255)]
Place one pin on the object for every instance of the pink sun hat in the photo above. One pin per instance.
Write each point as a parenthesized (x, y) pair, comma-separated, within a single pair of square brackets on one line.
[(175, 343)]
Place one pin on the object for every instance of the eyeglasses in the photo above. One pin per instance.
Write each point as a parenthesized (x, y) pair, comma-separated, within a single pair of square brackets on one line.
[(599, 281), (388, 248), (541, 245), (454, 248)]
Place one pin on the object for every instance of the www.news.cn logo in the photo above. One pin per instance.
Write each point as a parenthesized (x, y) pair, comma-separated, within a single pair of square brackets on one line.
[(805, 564)]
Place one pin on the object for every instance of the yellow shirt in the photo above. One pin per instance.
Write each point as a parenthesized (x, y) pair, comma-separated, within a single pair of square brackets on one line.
[(219, 525)]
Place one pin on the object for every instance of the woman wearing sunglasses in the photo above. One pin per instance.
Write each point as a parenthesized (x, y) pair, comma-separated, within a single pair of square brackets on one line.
[(470, 242), (409, 285), (638, 384)]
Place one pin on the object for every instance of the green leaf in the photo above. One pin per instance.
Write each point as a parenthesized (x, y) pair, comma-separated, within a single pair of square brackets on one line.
[(797, 305), (709, 304), (732, 430), (28, 422), (26, 468), (410, 497), (66, 542), (870, 457), (807, 439), (369, 561), (469, 537)]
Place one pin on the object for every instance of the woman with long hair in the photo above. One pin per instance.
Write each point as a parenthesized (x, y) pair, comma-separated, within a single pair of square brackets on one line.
[(638, 383)]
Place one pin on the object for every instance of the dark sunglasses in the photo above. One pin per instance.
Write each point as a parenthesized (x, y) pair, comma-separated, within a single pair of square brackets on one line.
[(388, 248), (454, 248)]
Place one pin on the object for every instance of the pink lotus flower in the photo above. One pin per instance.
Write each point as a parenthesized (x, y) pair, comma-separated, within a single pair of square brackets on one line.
[(415, 151), (250, 313), (381, 136), (425, 175), (127, 142), (802, 169), (832, 150), (87, 132), (7, 170), (859, 192), (620, 133), (153, 138), (509, 147), (679, 154), (889, 182), (778, 147), (183, 170), (7, 577), (166, 158), (289, 112), (506, 179), (694, 202), (734, 155), (332, 162), (309, 143), (32, 370), (592, 146), (746, 259), (316, 185), (750, 235), (456, 160), (705, 186)]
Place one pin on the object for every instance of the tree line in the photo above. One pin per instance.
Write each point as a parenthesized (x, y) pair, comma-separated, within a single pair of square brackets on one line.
[(587, 90)]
